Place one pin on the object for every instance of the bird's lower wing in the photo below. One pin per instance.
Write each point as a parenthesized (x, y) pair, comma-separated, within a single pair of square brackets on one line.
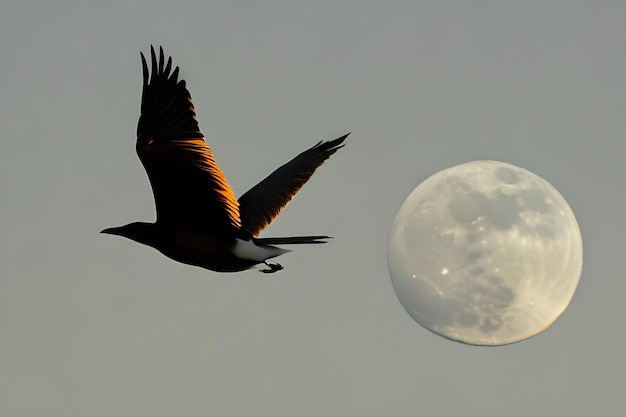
[(262, 203)]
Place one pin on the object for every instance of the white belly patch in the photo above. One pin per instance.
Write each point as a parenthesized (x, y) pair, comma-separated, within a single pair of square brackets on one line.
[(246, 249)]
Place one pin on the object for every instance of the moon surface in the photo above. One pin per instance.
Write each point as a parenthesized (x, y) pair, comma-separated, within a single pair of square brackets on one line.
[(485, 253)]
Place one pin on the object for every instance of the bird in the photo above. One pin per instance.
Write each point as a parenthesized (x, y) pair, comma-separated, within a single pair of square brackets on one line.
[(199, 221)]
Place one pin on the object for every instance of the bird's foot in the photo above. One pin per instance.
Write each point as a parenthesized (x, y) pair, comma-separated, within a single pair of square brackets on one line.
[(272, 268)]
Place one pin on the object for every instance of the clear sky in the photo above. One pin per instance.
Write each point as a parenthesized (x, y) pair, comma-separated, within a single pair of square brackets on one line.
[(94, 325)]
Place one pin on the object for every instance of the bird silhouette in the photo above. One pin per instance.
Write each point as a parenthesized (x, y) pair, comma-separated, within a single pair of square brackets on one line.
[(199, 220)]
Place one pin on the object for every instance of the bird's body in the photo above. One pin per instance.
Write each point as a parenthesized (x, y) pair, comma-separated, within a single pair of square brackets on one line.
[(199, 220)]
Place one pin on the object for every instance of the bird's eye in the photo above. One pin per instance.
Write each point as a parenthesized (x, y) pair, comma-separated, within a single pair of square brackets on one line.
[(144, 142)]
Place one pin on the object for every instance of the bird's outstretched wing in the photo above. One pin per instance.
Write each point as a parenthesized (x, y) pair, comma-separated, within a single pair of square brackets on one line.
[(188, 185), (260, 205)]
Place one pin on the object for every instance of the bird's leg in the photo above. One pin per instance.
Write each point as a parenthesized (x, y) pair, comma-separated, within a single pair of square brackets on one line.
[(273, 268)]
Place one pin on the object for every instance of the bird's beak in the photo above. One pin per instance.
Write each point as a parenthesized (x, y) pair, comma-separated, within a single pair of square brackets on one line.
[(110, 231)]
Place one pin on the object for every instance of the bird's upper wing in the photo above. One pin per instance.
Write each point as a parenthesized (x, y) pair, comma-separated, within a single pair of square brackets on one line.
[(262, 203), (188, 185)]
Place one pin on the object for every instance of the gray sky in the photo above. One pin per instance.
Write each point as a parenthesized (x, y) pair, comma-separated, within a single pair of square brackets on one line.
[(93, 325)]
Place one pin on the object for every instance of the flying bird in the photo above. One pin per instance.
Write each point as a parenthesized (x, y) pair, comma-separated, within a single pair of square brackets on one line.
[(199, 220)]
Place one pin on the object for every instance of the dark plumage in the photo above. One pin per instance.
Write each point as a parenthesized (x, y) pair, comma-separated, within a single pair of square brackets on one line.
[(199, 220)]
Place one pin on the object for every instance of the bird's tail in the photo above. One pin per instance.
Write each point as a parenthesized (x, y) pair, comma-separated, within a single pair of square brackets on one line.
[(294, 240)]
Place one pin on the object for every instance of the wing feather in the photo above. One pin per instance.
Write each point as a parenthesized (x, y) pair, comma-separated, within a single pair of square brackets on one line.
[(188, 185), (260, 205)]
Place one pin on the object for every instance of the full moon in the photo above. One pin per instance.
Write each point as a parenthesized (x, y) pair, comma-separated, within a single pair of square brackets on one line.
[(485, 253)]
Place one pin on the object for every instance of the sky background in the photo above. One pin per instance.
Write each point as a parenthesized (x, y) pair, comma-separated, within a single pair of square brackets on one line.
[(94, 325)]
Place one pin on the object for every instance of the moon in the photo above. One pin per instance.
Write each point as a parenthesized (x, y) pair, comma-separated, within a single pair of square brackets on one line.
[(485, 253)]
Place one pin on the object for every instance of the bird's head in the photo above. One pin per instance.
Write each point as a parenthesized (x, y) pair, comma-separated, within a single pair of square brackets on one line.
[(144, 233)]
